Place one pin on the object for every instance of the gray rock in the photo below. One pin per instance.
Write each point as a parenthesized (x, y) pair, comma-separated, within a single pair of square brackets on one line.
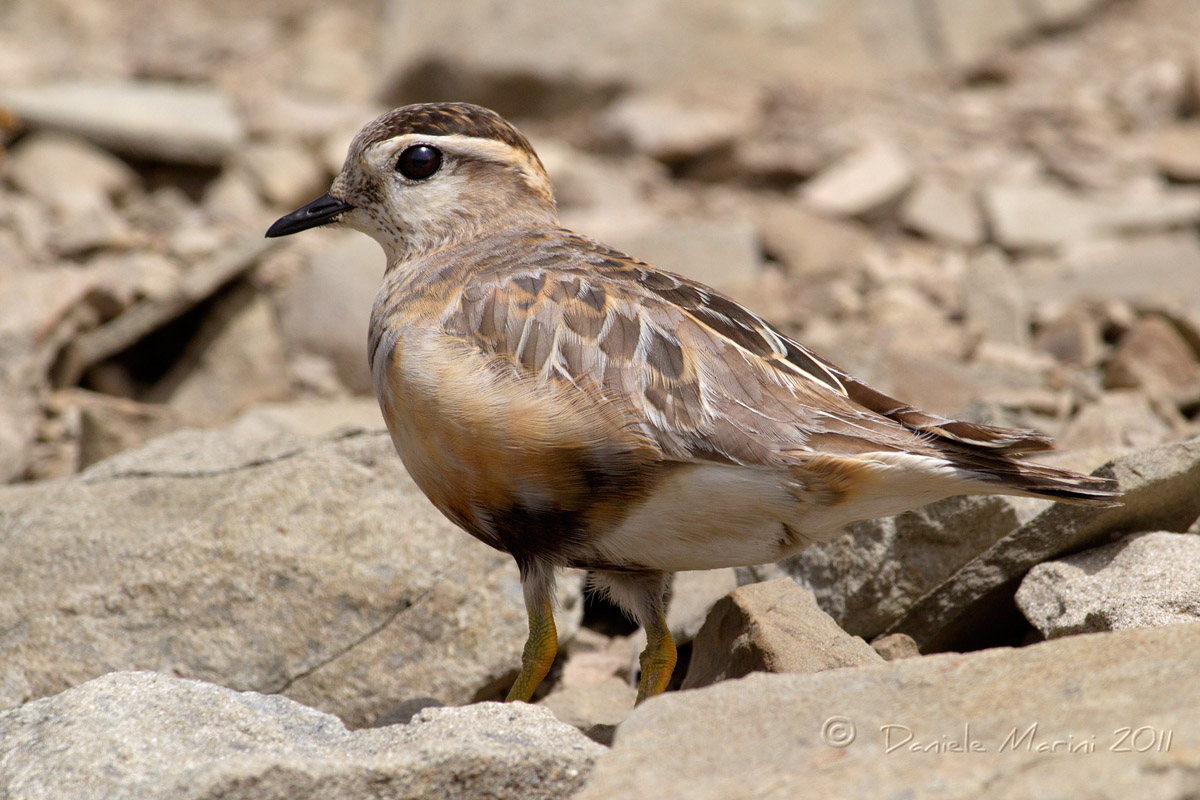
[(572, 54), (944, 212), (693, 595), (866, 180), (594, 709), (200, 282), (672, 129), (142, 734), (1175, 150), (870, 576), (970, 31), (1057, 13), (1142, 580), (311, 569), (109, 425), (809, 244), (317, 418), (983, 724), (326, 310), (1153, 271), (1153, 356), (53, 167), (236, 359), (1119, 418), (1159, 486), (1042, 215), (994, 299), (774, 626), (720, 252), (287, 174), (1072, 337), (170, 122), (896, 646)]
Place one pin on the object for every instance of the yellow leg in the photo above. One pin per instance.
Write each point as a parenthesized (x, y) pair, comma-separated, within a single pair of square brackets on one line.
[(657, 660), (540, 649)]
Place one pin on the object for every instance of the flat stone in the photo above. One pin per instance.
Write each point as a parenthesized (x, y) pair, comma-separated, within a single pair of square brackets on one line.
[(718, 252), (1056, 13), (809, 244), (971, 31), (1143, 580), (1175, 150), (1119, 418), (109, 425), (1043, 215), (1154, 356), (774, 626), (1152, 271), (673, 129), (199, 283), (327, 308), (52, 167), (867, 179), (287, 174), (896, 646), (144, 119), (314, 569), (944, 212), (982, 724), (571, 55), (144, 734), (693, 595), (315, 418), (1073, 337), (994, 300), (870, 576), (596, 709), (1159, 486)]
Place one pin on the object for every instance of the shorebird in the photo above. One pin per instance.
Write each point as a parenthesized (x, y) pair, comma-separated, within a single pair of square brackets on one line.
[(573, 406)]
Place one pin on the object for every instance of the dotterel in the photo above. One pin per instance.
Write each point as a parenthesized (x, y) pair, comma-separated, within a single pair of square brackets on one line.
[(573, 406)]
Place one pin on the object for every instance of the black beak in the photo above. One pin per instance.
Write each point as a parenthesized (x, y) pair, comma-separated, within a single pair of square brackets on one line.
[(322, 211)]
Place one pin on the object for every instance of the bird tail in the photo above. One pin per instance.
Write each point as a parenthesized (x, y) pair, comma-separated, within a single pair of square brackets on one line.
[(1003, 474)]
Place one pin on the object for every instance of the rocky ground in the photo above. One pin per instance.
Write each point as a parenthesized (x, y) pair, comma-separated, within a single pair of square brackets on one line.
[(219, 582)]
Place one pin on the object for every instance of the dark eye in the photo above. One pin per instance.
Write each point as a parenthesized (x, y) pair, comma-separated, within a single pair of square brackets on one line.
[(419, 162)]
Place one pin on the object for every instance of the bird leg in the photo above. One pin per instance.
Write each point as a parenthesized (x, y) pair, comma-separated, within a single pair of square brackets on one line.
[(542, 644), (658, 659)]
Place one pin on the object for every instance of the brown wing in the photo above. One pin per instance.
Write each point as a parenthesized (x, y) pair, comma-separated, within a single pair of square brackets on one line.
[(701, 376)]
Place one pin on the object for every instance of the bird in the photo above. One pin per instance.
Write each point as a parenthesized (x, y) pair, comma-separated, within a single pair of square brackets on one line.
[(572, 406)]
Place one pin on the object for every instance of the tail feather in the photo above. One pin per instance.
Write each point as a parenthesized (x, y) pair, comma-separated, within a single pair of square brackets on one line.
[(1005, 475)]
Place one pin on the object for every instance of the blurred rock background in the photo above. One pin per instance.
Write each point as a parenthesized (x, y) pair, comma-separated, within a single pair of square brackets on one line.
[(989, 208)]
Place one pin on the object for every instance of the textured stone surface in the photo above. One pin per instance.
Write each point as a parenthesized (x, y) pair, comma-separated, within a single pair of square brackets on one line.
[(596, 709), (943, 211), (986, 725), (994, 300), (774, 626), (1160, 494), (1044, 215), (191, 125), (313, 569), (865, 180), (868, 577), (143, 734), (1153, 355), (1142, 580), (895, 646), (236, 360)]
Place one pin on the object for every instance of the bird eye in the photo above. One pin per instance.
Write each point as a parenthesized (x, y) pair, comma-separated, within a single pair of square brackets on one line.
[(419, 162)]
